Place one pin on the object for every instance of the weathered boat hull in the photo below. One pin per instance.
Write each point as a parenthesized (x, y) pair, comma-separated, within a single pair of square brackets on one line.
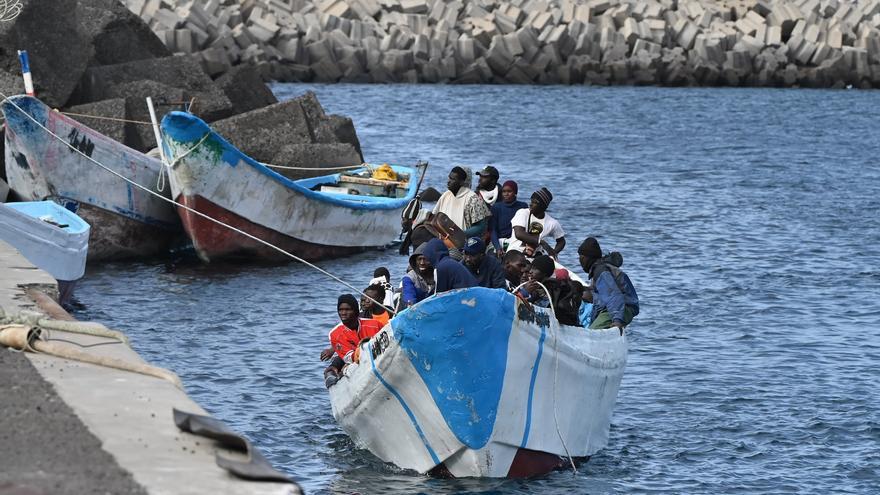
[(477, 383), (60, 249), (213, 241), (211, 176), (126, 221)]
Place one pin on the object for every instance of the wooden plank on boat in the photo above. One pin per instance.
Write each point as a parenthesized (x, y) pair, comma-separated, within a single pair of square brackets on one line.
[(372, 182)]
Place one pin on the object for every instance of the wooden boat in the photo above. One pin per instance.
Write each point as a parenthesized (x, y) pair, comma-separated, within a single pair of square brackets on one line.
[(476, 382), (314, 218), (126, 221), (51, 237)]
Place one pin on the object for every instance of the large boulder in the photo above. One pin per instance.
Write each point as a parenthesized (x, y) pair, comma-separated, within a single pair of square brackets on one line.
[(260, 133), (58, 51), (244, 87), (117, 35), (314, 155), (337, 129)]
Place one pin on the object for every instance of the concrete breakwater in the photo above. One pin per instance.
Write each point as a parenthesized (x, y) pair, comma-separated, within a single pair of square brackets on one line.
[(811, 43)]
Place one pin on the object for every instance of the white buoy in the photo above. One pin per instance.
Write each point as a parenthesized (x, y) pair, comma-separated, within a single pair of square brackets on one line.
[(26, 72)]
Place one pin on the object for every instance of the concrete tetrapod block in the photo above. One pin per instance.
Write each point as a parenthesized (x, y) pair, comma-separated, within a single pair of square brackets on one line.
[(314, 155)]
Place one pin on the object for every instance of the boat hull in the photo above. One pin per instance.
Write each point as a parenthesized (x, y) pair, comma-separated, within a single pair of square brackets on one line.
[(61, 251), (476, 383), (127, 221), (211, 176), (214, 241)]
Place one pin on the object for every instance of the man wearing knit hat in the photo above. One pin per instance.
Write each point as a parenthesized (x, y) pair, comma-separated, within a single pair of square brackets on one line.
[(615, 302), (345, 336), (533, 227)]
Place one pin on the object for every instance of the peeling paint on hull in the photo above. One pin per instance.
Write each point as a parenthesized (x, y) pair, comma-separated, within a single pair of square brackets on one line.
[(126, 221), (213, 241)]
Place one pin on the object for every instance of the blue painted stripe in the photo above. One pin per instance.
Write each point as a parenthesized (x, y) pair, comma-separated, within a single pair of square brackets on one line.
[(23, 58), (528, 427), (412, 417)]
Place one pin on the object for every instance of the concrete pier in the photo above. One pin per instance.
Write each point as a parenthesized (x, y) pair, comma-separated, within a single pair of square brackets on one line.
[(72, 427), (810, 43)]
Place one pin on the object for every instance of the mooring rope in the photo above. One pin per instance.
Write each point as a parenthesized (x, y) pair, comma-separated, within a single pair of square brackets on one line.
[(101, 117), (187, 208)]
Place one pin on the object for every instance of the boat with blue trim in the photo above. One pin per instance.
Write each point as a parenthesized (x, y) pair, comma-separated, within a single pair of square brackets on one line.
[(479, 383), (51, 237), (52, 156), (314, 218)]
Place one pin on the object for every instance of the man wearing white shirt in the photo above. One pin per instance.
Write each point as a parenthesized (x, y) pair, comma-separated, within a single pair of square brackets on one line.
[(533, 227)]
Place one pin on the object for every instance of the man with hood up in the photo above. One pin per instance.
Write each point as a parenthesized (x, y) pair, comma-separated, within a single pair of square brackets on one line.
[(418, 283), (448, 273)]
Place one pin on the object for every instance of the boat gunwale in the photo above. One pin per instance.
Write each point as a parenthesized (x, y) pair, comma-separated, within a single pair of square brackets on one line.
[(205, 131)]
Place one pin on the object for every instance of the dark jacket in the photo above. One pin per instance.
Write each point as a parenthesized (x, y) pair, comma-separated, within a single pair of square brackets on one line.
[(612, 291), (499, 223), (490, 274), (448, 273), (415, 286)]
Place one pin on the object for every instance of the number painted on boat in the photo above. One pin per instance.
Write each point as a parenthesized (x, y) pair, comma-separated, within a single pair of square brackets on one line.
[(379, 344), (80, 142), (533, 315)]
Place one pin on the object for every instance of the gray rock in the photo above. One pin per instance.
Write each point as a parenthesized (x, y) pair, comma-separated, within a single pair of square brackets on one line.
[(117, 35), (58, 51), (245, 89), (182, 72), (315, 155), (259, 133), (337, 129)]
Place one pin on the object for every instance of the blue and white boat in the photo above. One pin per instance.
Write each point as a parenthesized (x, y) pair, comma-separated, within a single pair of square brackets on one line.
[(478, 383), (51, 237)]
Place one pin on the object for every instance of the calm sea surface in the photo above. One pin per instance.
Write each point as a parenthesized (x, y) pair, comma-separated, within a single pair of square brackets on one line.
[(750, 224)]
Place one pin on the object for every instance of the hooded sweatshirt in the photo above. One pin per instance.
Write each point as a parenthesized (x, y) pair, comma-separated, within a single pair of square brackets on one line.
[(415, 286), (448, 273)]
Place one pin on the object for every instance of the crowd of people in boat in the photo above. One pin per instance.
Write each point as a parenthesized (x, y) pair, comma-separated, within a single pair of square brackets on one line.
[(504, 243)]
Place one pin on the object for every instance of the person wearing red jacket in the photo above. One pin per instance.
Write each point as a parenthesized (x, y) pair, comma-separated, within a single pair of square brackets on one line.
[(345, 336)]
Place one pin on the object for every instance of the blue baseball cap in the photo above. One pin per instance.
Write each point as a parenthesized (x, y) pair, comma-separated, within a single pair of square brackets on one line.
[(474, 245)]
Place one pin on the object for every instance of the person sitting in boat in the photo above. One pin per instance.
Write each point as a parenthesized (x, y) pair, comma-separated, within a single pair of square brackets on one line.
[(345, 336), (418, 283), (487, 187), (487, 269), (516, 269), (532, 227), (563, 293), (615, 302), (372, 310), (448, 273), (382, 277), (462, 205), (503, 211)]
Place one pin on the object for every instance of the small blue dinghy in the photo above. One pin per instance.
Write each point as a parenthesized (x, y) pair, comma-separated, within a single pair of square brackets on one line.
[(51, 237)]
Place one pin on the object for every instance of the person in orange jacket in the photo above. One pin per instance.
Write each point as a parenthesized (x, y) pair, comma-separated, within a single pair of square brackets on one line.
[(345, 336)]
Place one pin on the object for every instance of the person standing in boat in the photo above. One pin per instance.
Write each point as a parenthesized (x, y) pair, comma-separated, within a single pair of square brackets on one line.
[(371, 310), (462, 205), (615, 302), (418, 283), (487, 269), (448, 273), (500, 230), (532, 227), (487, 187)]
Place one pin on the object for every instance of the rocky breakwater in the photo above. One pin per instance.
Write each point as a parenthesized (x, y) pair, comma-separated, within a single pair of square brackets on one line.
[(813, 43), (97, 61)]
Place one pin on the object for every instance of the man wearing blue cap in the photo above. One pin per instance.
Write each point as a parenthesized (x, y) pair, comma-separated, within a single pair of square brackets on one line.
[(487, 269)]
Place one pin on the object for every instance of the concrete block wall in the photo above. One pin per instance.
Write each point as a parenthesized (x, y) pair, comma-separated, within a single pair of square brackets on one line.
[(815, 43)]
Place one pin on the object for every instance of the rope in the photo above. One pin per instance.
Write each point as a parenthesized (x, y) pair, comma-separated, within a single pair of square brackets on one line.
[(98, 117), (187, 208), (555, 369), (284, 167)]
